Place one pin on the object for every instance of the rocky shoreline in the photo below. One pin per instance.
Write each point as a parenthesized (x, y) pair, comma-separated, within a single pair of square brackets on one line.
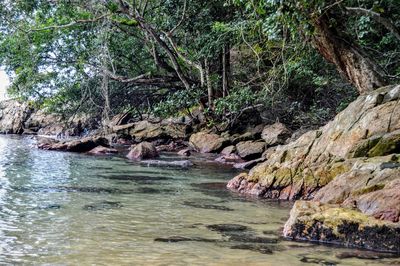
[(345, 175)]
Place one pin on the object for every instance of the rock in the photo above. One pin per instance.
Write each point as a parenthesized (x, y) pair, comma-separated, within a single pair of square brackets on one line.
[(299, 169), (101, 150), (229, 159), (207, 142), (327, 223), (249, 150), (185, 152), (13, 114), (121, 119), (223, 228), (143, 150), (249, 164), (275, 134), (82, 145), (229, 150), (183, 163)]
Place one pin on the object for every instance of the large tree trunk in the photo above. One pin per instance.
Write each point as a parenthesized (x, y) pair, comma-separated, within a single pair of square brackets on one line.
[(348, 57)]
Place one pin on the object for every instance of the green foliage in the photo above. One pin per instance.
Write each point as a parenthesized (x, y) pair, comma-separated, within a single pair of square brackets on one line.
[(236, 101), (178, 103)]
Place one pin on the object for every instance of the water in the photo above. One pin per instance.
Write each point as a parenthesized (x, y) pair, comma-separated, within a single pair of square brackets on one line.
[(69, 209)]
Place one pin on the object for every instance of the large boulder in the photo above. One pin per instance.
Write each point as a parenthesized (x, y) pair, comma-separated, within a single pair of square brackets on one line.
[(327, 223), (249, 150), (143, 150), (275, 134), (205, 142)]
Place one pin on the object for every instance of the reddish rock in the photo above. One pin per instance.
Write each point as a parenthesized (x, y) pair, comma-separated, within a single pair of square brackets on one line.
[(143, 150), (229, 159), (81, 145)]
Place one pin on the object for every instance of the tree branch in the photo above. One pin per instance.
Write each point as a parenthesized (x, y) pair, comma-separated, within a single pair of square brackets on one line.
[(389, 25), (73, 23)]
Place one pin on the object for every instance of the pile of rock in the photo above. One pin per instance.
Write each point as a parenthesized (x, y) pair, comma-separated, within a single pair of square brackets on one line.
[(351, 167)]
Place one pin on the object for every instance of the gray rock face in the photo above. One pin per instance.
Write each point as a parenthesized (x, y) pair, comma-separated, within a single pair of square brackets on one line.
[(13, 114), (143, 150), (275, 134), (19, 118)]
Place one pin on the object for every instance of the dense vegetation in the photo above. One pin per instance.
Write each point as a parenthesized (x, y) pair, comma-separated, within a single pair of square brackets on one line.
[(297, 61)]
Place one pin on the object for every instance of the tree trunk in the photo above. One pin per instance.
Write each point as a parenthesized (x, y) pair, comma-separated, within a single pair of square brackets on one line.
[(210, 91), (349, 58), (225, 69)]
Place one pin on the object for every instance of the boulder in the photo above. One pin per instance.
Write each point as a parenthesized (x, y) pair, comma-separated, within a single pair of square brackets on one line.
[(207, 142), (81, 145), (229, 159), (367, 127), (101, 150), (228, 150), (149, 131), (349, 170), (275, 134), (249, 150), (12, 116), (329, 223), (143, 150)]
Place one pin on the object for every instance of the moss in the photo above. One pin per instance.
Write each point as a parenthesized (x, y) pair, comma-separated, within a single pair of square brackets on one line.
[(362, 149), (386, 146), (368, 189)]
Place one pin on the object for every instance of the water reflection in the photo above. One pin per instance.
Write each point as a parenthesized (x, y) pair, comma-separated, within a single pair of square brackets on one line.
[(62, 208)]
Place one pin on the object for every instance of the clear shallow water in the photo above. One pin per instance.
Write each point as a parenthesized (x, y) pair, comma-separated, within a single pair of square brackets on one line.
[(68, 209)]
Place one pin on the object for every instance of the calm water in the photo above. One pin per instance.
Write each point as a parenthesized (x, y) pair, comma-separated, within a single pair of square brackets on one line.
[(68, 209)]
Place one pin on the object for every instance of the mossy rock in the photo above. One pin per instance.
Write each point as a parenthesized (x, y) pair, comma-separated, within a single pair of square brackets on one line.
[(368, 189), (386, 146)]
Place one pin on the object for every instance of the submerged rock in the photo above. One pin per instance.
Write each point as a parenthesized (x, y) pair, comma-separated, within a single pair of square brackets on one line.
[(144, 150), (328, 223), (263, 249), (176, 239), (103, 205), (223, 228), (101, 150), (183, 163), (207, 206), (185, 152), (230, 159)]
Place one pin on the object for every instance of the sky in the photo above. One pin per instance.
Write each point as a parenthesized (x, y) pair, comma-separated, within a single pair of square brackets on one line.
[(4, 82)]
